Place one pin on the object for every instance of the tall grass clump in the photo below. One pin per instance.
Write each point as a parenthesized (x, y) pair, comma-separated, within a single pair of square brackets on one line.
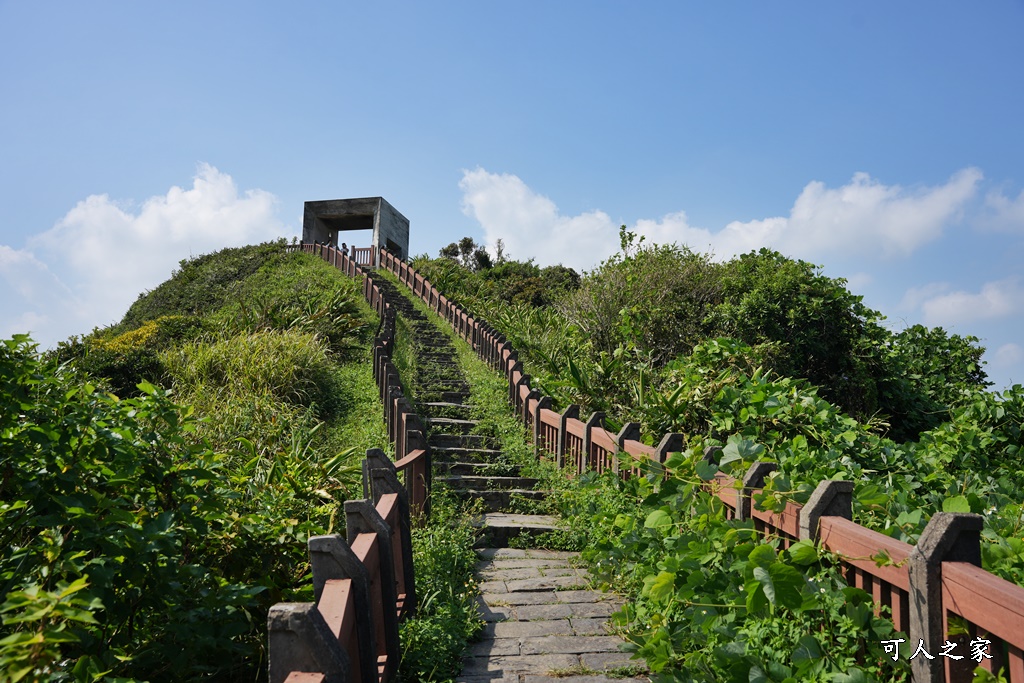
[(289, 365)]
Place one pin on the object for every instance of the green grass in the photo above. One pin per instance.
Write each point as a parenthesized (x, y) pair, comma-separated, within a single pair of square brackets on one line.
[(447, 619)]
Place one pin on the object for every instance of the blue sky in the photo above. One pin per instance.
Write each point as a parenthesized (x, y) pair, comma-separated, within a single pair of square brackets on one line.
[(882, 141)]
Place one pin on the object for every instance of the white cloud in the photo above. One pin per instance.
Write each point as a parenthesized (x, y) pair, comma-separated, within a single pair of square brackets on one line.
[(868, 217), (530, 224), (106, 253), (914, 297), (999, 299), (861, 217), (1007, 356), (1003, 213)]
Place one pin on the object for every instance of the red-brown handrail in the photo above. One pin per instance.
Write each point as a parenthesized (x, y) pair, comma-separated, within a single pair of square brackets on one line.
[(365, 588)]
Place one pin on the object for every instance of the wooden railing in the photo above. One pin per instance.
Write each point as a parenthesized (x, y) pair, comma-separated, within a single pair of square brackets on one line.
[(360, 256), (363, 587), (923, 586), (363, 583)]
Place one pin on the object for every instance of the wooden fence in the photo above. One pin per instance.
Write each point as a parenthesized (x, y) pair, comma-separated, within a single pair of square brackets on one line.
[(924, 586), (363, 587), (363, 583)]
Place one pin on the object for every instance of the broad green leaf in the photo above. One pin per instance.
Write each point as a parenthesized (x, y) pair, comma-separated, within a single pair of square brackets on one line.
[(740, 449), (757, 675), (762, 556), (956, 504), (779, 672), (756, 599), (657, 519), (782, 584), (853, 675), (803, 553), (662, 586), (807, 650), (871, 495), (706, 470), (909, 518)]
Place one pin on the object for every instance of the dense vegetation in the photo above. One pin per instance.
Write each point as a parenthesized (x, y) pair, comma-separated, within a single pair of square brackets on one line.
[(145, 539), (609, 340), (767, 359)]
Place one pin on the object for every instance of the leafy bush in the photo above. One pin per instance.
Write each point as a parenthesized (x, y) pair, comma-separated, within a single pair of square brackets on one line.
[(651, 298), (715, 600), (110, 520), (159, 557), (825, 334), (123, 360), (613, 338)]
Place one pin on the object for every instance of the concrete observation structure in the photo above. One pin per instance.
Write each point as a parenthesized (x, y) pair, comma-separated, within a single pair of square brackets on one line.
[(323, 220)]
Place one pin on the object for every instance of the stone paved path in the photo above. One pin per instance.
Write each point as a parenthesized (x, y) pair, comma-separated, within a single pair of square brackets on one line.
[(541, 620)]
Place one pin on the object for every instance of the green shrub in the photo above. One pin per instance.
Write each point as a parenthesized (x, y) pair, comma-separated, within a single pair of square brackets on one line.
[(123, 360), (110, 518)]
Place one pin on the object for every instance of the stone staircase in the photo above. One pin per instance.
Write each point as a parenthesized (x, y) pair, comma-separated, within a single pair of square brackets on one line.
[(469, 463), (543, 625)]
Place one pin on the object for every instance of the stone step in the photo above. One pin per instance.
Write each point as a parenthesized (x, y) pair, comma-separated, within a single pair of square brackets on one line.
[(470, 441), (444, 359), (449, 425), (456, 454), (496, 529), (437, 384), (433, 410), (442, 383), (502, 500), (486, 483), (481, 469)]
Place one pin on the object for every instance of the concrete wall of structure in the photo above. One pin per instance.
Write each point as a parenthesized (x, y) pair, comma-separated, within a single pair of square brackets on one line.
[(391, 230), (324, 221)]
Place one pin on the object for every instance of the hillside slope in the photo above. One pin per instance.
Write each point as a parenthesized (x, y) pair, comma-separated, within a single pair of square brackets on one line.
[(147, 539)]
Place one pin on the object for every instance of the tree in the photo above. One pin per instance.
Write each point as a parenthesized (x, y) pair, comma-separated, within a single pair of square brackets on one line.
[(468, 253), (827, 334)]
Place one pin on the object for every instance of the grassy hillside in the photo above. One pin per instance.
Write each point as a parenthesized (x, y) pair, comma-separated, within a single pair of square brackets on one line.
[(163, 474)]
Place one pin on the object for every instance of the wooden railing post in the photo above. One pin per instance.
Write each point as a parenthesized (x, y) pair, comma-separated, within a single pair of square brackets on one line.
[(532, 395), (375, 459), (571, 412), (298, 639), (419, 478), (542, 403), (361, 518), (595, 420), (330, 557), (753, 479), (830, 499), (670, 443), (382, 482), (514, 366), (949, 537), (629, 432)]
